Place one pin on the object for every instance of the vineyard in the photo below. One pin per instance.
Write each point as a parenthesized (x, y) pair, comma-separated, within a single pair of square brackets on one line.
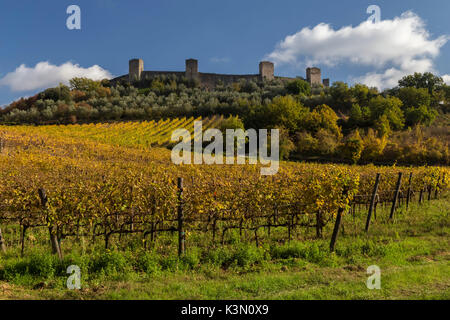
[(142, 135), (105, 182)]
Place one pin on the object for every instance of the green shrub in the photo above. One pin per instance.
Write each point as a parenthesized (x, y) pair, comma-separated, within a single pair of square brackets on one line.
[(313, 252), (217, 256), (36, 264), (368, 248), (290, 250), (169, 263), (73, 259), (148, 263), (42, 264), (246, 255), (109, 262), (191, 259)]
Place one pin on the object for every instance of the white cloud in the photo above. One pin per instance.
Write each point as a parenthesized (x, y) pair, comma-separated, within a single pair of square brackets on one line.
[(394, 48), (446, 78), (389, 77), (45, 75)]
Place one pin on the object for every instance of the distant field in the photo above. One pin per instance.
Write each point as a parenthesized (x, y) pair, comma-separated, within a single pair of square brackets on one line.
[(109, 202)]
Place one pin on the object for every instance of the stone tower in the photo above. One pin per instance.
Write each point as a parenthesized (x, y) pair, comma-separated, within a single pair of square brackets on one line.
[(136, 68), (266, 70), (314, 76), (191, 69)]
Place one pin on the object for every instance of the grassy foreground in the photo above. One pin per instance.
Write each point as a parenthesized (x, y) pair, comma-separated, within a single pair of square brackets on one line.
[(413, 254)]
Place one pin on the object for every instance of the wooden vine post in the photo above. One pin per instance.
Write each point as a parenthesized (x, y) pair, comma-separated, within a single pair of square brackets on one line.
[(56, 249), (2, 242), (372, 200), (22, 238), (397, 191), (408, 195), (436, 191), (438, 185), (421, 196), (337, 224), (2, 145), (181, 232)]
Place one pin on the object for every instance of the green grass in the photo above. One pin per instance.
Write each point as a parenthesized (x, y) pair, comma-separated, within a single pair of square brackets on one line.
[(412, 253)]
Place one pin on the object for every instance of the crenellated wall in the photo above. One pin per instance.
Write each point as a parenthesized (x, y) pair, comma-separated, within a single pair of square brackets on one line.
[(210, 80)]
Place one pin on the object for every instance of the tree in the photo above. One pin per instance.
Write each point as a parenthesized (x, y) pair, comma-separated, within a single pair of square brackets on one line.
[(426, 80), (445, 92), (298, 86), (358, 117), (341, 95), (249, 87), (322, 117), (382, 126), (286, 112), (361, 93), (306, 143), (373, 146), (286, 144), (420, 115), (352, 147), (355, 118), (157, 86), (327, 142), (414, 97), (61, 92), (391, 108), (84, 84), (231, 123)]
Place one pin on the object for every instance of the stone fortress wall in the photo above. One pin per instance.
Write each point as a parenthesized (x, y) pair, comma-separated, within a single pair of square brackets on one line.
[(210, 80)]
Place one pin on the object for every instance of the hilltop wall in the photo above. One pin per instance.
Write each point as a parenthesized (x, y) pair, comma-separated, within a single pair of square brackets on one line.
[(210, 80)]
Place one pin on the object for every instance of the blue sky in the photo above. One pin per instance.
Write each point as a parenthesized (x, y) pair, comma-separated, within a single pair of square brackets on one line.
[(226, 36)]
